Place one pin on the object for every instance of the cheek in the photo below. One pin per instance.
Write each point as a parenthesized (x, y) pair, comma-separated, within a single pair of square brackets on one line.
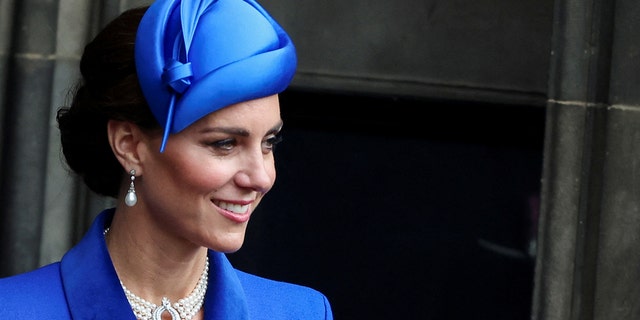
[(204, 176)]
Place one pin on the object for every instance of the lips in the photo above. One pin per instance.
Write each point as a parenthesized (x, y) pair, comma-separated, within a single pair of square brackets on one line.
[(235, 208), (238, 213)]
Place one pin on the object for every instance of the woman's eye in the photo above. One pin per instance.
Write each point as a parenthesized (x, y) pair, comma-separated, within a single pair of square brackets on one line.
[(226, 144), (272, 141)]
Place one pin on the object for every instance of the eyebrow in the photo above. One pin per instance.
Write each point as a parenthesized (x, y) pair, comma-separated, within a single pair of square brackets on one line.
[(240, 131)]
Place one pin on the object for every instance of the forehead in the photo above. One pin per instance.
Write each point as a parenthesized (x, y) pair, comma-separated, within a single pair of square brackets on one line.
[(259, 112)]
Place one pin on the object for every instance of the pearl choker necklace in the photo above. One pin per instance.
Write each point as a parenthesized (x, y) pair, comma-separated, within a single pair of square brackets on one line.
[(185, 309)]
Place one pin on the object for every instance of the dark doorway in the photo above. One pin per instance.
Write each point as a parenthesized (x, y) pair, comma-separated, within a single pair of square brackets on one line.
[(401, 208)]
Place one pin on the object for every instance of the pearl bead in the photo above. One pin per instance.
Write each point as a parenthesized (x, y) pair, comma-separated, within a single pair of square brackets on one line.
[(185, 308), (131, 199)]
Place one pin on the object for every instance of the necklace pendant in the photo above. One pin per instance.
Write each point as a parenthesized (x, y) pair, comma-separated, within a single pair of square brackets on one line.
[(166, 306), (185, 309)]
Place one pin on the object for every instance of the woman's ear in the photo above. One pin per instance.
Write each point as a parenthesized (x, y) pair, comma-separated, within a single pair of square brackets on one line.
[(124, 138)]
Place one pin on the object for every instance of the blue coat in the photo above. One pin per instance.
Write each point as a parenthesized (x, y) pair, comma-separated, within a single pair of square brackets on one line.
[(84, 285)]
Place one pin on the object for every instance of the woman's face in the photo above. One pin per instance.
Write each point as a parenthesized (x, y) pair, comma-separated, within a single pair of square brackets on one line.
[(213, 174)]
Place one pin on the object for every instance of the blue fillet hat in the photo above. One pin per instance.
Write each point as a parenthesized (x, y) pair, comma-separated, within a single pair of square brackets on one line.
[(194, 57)]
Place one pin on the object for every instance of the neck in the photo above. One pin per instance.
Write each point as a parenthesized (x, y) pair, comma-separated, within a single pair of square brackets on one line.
[(144, 265), (184, 309)]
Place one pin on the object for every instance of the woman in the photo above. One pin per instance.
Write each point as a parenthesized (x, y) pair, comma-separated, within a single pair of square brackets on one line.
[(177, 117)]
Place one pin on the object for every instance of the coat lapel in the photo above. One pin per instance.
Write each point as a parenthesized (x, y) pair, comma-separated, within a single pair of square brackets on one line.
[(225, 299), (89, 280), (93, 290)]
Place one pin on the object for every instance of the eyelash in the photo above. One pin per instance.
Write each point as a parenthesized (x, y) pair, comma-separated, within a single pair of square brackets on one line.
[(274, 140), (228, 144), (225, 144)]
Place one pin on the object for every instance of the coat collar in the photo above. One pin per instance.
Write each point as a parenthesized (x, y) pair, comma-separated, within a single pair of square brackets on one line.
[(93, 290)]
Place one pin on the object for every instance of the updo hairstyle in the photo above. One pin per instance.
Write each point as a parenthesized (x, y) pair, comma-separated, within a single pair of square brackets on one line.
[(108, 90)]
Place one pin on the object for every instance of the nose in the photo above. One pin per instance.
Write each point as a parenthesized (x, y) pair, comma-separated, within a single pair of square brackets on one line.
[(257, 172)]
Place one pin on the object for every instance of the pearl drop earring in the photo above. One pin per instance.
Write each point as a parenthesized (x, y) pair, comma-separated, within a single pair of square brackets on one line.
[(131, 199)]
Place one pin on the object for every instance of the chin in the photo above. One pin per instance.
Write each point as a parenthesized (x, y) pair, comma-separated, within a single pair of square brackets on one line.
[(228, 245), (231, 250), (228, 249)]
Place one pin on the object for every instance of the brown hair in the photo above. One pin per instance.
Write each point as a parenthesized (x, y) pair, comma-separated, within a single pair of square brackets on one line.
[(108, 89)]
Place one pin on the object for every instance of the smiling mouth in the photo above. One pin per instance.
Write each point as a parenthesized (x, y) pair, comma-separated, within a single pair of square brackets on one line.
[(232, 207)]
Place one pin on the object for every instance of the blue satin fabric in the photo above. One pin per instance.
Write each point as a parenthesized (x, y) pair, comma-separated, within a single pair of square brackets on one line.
[(84, 285), (194, 57)]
